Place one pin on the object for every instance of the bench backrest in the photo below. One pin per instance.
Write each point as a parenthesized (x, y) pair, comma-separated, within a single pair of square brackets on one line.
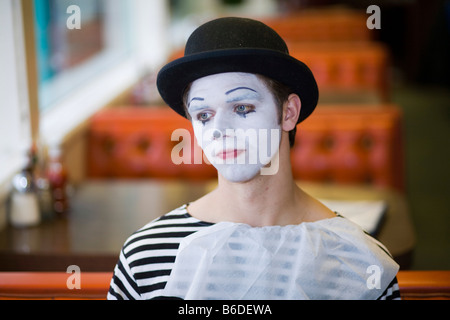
[(343, 144)]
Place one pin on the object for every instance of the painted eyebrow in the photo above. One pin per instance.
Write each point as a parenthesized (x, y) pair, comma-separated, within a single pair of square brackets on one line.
[(226, 93), (252, 95), (195, 99), (239, 88)]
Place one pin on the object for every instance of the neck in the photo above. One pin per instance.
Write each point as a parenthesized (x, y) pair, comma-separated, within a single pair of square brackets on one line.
[(259, 202), (264, 200)]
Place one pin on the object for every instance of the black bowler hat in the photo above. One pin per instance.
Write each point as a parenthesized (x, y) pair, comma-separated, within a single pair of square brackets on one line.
[(236, 45)]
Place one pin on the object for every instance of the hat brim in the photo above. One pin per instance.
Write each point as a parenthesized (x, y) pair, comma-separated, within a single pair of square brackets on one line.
[(177, 75)]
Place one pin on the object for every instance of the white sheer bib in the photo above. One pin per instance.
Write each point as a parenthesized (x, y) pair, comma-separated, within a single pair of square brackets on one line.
[(326, 259)]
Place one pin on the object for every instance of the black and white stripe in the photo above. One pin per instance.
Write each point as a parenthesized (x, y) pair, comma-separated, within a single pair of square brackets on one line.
[(147, 258), (392, 292)]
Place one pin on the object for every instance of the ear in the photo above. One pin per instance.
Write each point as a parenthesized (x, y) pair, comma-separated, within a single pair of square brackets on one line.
[(291, 112)]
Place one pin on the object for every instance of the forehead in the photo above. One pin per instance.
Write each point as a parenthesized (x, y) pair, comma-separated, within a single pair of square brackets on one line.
[(223, 82)]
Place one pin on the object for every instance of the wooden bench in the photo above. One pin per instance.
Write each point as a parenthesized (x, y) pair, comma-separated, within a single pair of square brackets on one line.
[(94, 286), (324, 24), (355, 144), (347, 71)]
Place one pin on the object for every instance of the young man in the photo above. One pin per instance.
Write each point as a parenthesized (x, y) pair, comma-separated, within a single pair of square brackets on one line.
[(257, 235)]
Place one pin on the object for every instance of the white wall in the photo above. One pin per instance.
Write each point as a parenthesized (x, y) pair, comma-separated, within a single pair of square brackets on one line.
[(15, 132)]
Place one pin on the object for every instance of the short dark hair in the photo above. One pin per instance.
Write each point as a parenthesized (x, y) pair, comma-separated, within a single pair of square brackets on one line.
[(280, 92)]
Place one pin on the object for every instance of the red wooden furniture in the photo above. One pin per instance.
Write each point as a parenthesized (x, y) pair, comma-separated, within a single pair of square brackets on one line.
[(344, 144), (414, 285), (324, 24), (351, 145), (345, 70), (137, 143)]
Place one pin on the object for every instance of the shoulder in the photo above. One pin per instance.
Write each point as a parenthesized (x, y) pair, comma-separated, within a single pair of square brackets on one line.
[(169, 228), (147, 256)]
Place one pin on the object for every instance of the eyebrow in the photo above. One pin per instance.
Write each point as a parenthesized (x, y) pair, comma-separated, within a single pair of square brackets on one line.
[(239, 88), (195, 99), (226, 93), (245, 96)]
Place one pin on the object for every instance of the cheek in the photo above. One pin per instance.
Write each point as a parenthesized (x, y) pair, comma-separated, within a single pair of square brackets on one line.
[(265, 120), (198, 132), (203, 134), (268, 135)]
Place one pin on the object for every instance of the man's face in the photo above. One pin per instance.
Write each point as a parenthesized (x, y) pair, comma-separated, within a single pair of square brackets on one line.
[(235, 121)]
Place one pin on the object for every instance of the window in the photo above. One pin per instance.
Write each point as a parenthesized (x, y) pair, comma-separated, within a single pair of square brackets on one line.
[(66, 56), (79, 70)]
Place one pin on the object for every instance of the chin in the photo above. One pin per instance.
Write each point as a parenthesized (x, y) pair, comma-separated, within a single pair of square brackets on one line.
[(239, 173)]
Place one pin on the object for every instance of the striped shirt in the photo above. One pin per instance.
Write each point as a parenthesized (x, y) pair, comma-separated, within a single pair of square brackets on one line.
[(147, 258)]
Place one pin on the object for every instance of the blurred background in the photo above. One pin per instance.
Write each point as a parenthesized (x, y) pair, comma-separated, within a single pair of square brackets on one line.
[(81, 120)]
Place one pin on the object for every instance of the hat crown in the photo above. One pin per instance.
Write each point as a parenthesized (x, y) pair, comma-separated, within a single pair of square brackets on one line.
[(234, 33), (236, 45)]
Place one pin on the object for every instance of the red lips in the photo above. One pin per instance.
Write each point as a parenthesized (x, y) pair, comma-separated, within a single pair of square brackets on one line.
[(229, 154)]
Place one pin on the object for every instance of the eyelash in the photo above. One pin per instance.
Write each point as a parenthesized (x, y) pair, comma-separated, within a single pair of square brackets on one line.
[(199, 117), (244, 113), (249, 109)]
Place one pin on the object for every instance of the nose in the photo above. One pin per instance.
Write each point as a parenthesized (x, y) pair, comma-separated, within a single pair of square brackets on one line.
[(217, 134), (221, 123)]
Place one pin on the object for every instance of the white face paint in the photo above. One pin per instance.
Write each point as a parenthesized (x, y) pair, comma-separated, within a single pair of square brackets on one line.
[(235, 121)]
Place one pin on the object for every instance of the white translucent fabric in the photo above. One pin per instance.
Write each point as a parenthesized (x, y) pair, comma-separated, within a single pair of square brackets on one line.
[(326, 259)]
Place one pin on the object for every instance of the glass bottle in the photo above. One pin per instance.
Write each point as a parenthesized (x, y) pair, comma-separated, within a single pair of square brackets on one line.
[(57, 178)]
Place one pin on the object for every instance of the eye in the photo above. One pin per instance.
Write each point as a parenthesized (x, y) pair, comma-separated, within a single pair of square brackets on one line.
[(241, 108), (204, 117), (244, 109)]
